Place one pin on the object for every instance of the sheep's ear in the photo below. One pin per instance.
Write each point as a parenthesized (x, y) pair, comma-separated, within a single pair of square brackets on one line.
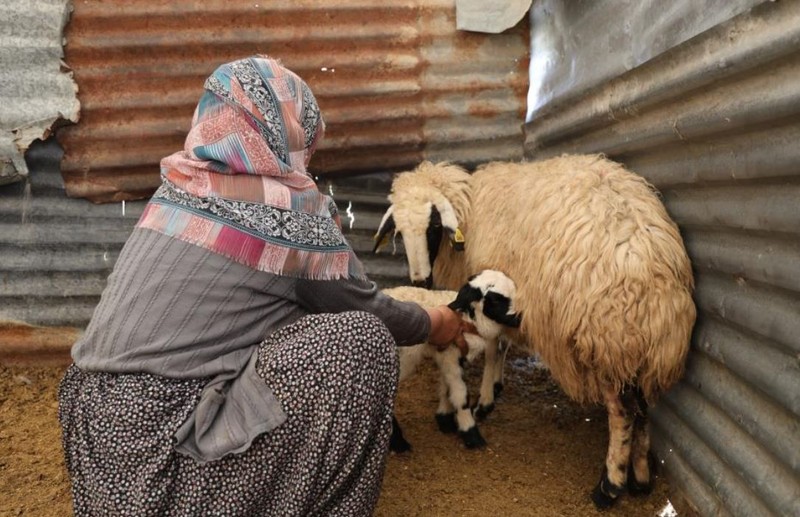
[(464, 299), (496, 307), (387, 225), (450, 223)]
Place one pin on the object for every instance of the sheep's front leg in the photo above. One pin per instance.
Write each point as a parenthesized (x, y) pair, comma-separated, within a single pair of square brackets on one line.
[(453, 376), (615, 473), (489, 385)]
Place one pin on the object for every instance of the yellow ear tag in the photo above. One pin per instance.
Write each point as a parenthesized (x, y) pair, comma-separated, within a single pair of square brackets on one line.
[(458, 240), (383, 242)]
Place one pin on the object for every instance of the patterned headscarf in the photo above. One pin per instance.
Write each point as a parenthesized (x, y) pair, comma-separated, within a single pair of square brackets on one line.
[(240, 187)]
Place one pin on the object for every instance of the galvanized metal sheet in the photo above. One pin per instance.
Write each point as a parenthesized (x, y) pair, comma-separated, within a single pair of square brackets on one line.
[(56, 252), (35, 89), (397, 83), (714, 124), (578, 45)]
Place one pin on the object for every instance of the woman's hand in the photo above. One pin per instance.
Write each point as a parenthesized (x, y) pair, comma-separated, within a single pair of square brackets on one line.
[(448, 328)]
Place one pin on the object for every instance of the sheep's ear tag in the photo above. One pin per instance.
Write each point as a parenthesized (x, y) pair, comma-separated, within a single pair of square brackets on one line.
[(383, 240), (458, 240)]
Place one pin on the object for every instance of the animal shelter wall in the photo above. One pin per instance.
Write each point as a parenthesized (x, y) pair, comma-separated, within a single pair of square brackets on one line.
[(711, 117), (397, 83)]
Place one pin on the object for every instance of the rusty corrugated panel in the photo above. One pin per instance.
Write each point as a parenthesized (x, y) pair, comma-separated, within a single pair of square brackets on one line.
[(35, 90), (713, 123), (396, 81)]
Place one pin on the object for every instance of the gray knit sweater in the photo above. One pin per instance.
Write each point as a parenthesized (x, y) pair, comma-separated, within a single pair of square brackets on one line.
[(177, 310)]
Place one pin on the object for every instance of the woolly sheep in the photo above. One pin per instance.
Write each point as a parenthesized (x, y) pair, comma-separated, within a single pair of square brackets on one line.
[(486, 301), (604, 284)]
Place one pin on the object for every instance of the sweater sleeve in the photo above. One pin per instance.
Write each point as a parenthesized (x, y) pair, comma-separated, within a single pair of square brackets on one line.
[(408, 322)]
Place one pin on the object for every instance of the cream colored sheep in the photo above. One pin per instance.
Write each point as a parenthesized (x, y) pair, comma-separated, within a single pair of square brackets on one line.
[(603, 280), (486, 301)]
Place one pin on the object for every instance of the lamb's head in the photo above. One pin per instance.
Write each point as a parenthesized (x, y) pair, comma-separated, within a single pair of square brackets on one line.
[(422, 214), (488, 300)]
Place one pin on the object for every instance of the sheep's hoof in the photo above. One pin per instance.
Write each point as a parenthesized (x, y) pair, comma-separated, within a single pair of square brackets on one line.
[(472, 438), (498, 389), (447, 422), (634, 487), (605, 493), (481, 412), (398, 443)]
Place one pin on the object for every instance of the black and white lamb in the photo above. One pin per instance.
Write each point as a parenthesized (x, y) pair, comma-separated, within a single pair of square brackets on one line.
[(486, 301)]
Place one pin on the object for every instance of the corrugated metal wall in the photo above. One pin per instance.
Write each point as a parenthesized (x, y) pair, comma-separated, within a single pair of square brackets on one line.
[(56, 252), (714, 124), (396, 82)]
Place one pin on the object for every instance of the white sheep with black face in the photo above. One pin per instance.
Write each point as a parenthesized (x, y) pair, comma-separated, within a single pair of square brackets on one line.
[(604, 284), (486, 301)]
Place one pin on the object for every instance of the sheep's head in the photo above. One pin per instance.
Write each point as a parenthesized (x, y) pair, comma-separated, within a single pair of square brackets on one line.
[(488, 299), (422, 215)]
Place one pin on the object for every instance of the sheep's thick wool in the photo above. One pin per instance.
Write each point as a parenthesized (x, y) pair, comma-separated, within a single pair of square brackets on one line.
[(603, 280)]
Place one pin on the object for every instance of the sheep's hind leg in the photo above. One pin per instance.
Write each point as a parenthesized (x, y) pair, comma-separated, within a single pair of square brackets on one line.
[(620, 430), (640, 481), (489, 386)]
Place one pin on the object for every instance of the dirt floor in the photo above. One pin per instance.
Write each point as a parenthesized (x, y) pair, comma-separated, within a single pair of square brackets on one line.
[(544, 454)]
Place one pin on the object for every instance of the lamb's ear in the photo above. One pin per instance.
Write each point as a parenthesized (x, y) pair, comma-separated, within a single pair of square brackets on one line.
[(450, 223), (496, 307), (464, 299), (386, 226)]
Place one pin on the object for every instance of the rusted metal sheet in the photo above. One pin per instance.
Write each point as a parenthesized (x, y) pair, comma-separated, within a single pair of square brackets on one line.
[(35, 89), (713, 123), (396, 81)]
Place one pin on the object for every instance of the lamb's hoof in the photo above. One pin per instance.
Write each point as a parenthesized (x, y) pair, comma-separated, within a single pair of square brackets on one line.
[(447, 422), (472, 438), (605, 493), (634, 487), (398, 443), (498, 389), (481, 412)]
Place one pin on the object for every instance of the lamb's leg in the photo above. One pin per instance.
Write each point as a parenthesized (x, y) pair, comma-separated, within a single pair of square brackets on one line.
[(398, 443), (620, 429), (639, 476), (488, 382), (445, 413), (453, 376), (502, 347)]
